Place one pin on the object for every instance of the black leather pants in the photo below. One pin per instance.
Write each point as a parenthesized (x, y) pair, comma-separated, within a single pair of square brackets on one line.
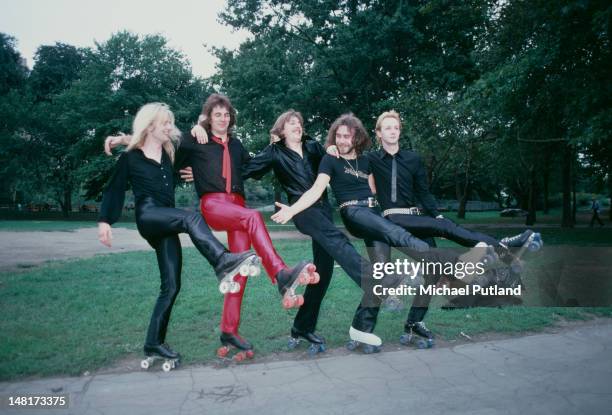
[(426, 226), (160, 226)]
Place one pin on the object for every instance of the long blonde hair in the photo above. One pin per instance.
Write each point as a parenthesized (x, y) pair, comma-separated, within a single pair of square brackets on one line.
[(145, 117)]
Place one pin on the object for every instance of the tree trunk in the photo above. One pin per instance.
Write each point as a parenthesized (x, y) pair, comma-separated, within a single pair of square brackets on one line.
[(574, 173), (463, 199), (610, 187), (67, 202), (546, 179), (531, 215), (566, 166)]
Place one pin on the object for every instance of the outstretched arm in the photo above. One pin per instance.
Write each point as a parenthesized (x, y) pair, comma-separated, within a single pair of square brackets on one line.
[(113, 141), (308, 199)]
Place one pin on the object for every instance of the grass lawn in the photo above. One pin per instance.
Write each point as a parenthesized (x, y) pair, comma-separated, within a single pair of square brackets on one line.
[(76, 316)]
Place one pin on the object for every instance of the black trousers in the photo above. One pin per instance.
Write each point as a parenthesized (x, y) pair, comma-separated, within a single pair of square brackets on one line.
[(368, 224), (426, 227), (160, 226), (328, 244)]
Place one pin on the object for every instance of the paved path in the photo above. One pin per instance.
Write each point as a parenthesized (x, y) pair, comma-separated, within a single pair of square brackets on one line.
[(568, 372), (19, 250)]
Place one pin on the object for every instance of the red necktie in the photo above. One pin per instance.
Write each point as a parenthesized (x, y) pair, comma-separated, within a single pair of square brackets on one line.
[(226, 171)]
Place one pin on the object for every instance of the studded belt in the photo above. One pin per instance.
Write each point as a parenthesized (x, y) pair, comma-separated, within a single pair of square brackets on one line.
[(369, 202), (403, 211)]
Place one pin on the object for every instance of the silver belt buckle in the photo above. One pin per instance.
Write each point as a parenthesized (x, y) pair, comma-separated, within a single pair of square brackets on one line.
[(371, 202)]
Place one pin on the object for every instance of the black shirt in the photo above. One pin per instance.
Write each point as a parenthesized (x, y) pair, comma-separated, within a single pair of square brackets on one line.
[(206, 161), (295, 174), (412, 184), (148, 179), (349, 178)]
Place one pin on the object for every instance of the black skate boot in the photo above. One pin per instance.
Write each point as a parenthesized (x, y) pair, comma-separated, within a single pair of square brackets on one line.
[(317, 343), (532, 239), (231, 340), (230, 264), (418, 334), (289, 278), (361, 331), (160, 352)]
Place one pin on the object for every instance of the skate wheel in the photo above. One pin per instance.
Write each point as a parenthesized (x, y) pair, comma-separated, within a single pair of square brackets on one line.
[(304, 279), (292, 301), (311, 268), (315, 278), (234, 287), (533, 246), (239, 357), (244, 270), (167, 366), (250, 354), (369, 349), (352, 345), (405, 339), (313, 349), (222, 351), (224, 287), (292, 343), (322, 348), (421, 344), (145, 364), (299, 300), (254, 270)]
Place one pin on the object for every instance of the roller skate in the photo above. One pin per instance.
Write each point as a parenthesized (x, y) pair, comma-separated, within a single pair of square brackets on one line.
[(231, 341), (245, 264), (531, 240), (317, 343), (417, 334), (527, 241), (483, 254), (303, 273), (368, 342), (161, 352)]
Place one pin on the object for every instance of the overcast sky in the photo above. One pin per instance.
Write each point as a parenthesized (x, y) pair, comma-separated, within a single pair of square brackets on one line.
[(187, 24)]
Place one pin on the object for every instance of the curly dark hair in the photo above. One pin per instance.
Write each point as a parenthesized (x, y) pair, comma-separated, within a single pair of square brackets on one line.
[(217, 100), (361, 139)]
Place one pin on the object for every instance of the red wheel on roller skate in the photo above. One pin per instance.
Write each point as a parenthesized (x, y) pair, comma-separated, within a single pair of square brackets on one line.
[(299, 300), (287, 302), (222, 351), (239, 357), (311, 268), (304, 279), (250, 354), (315, 278)]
